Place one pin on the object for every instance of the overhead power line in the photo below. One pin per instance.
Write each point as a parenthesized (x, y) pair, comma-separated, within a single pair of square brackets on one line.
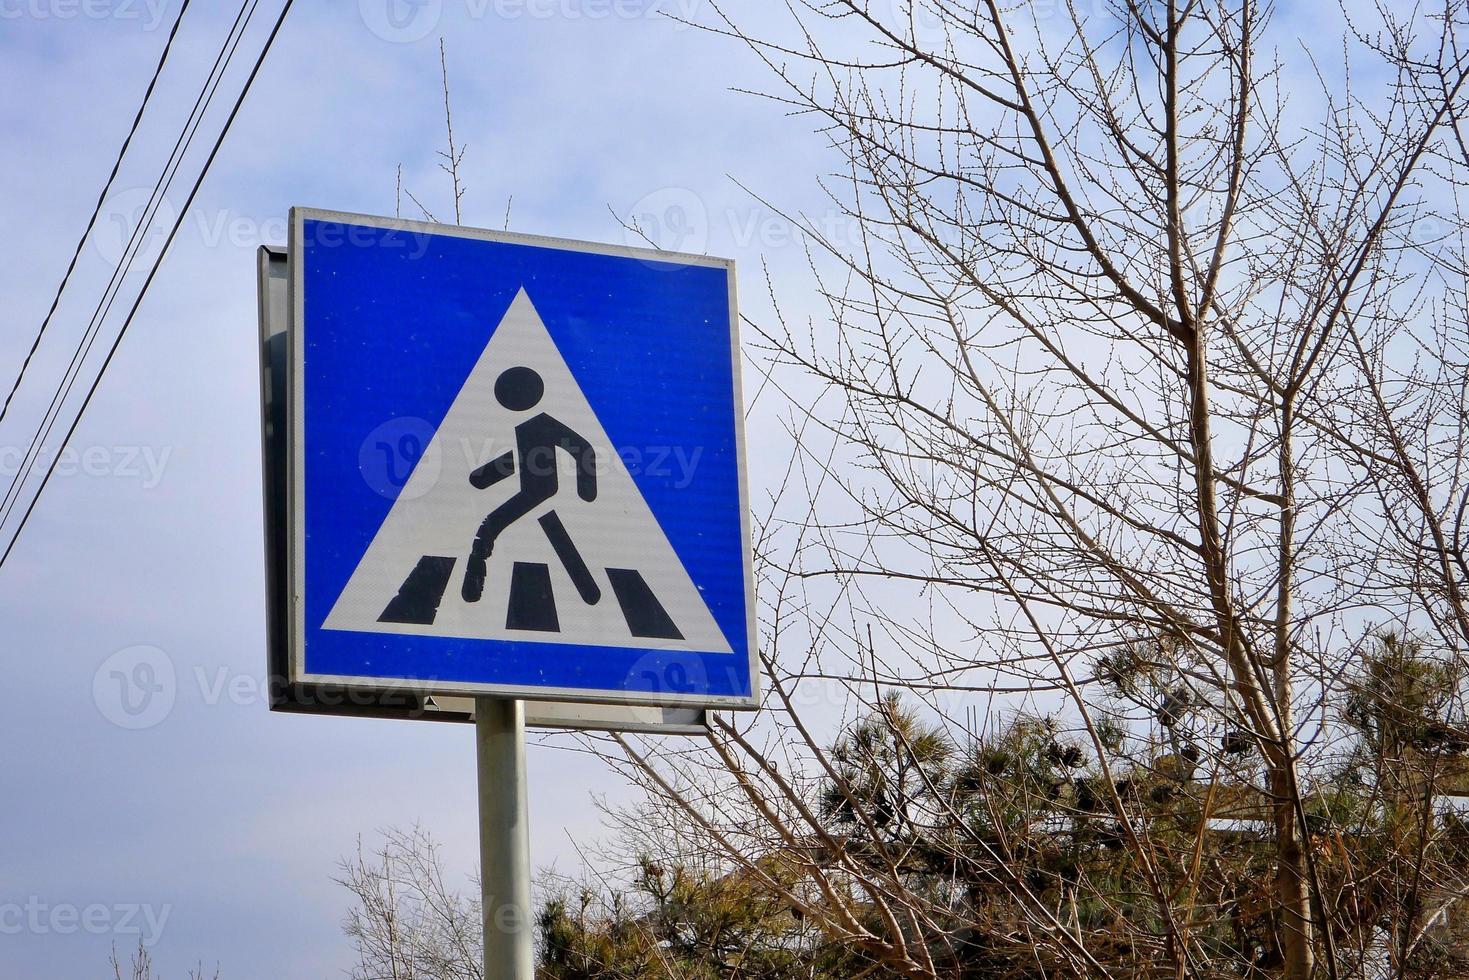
[(152, 273), (96, 210), (131, 249)]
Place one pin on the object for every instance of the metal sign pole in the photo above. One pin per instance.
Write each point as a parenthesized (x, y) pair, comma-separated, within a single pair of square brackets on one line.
[(504, 839)]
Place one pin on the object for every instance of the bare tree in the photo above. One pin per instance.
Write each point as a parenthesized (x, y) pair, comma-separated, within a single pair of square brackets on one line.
[(1113, 602), (408, 922), (140, 966), (453, 158), (1142, 372)]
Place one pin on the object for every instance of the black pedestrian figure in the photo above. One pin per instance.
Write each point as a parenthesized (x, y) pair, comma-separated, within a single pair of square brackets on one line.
[(534, 460)]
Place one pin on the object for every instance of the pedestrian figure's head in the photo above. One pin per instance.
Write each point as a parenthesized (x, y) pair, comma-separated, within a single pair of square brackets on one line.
[(519, 388)]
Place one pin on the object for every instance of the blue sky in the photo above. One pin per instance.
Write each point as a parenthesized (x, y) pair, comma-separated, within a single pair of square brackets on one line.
[(216, 824), (220, 821)]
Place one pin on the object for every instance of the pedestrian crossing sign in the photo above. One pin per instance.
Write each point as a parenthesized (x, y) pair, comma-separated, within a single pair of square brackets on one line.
[(517, 467)]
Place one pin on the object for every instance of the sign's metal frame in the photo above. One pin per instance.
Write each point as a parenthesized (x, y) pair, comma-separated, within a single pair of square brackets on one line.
[(291, 695)]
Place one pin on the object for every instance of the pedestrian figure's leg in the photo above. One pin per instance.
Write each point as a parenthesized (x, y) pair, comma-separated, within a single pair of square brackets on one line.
[(565, 549), (500, 518)]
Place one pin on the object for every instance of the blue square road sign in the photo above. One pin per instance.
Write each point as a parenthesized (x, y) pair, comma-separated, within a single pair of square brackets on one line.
[(517, 467)]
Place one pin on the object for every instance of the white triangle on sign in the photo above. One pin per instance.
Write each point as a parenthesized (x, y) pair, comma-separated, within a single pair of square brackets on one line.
[(438, 513)]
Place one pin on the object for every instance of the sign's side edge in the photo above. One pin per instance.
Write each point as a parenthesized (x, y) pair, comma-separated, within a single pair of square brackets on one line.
[(742, 462), (295, 464)]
